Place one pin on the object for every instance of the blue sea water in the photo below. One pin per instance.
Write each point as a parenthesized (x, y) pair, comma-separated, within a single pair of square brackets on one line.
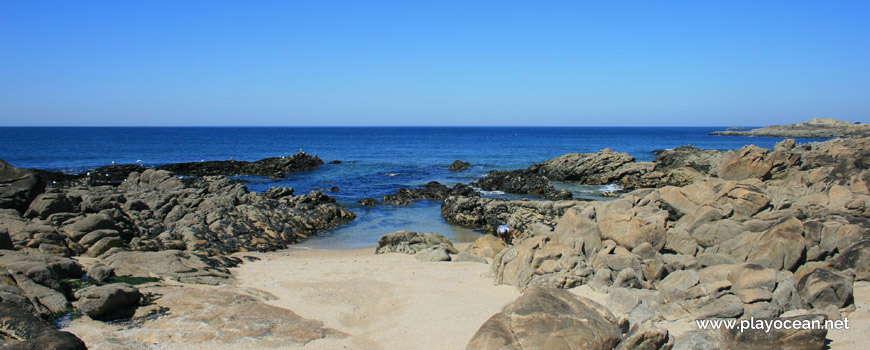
[(375, 160)]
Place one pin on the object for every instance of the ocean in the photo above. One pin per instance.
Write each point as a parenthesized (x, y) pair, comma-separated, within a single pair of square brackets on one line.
[(375, 161)]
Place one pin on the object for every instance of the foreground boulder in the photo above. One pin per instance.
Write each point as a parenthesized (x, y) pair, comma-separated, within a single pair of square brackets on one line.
[(409, 242), (549, 319), (18, 187), (109, 302)]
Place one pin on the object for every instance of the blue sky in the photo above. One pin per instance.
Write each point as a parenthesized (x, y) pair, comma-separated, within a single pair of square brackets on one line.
[(548, 63)]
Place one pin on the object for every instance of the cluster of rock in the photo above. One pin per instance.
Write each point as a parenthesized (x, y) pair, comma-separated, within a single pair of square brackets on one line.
[(150, 224), (433, 190), (524, 216), (275, 167), (34, 290), (155, 210), (764, 233), (520, 181), (815, 128)]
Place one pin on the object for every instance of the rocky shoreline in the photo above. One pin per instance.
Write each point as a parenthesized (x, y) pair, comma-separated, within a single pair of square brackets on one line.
[(749, 233), (815, 128)]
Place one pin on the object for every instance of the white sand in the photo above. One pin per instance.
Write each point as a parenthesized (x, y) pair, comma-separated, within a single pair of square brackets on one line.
[(389, 301)]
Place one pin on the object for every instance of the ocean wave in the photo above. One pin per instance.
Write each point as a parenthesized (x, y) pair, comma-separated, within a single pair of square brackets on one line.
[(610, 188), (491, 193), (391, 174)]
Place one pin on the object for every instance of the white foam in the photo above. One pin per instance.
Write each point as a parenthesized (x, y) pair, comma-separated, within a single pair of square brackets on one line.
[(491, 193), (610, 188), (391, 174)]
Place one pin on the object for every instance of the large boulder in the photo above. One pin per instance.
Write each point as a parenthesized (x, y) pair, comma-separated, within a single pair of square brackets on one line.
[(761, 338), (520, 181), (599, 168), (747, 162), (631, 225), (18, 187), (821, 288), (544, 318), (50, 203), (487, 246), (108, 302), (409, 242)]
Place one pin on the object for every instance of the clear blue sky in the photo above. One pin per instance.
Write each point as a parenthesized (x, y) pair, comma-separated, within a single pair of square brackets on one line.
[(553, 63)]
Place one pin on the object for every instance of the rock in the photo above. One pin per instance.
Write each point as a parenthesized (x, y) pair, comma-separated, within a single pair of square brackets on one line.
[(46, 204), (432, 254), (367, 202), (646, 336), (630, 226), (432, 190), (697, 340), (276, 166), (5, 240), (103, 246), (677, 283), (459, 165), (821, 288), (621, 301), (856, 257), (278, 192), (599, 168), (18, 187), (51, 340), (704, 161), (747, 162), (521, 215), (781, 247), (100, 273), (225, 316), (815, 128), (520, 182), (749, 276), (775, 338), (486, 246), (184, 267), (108, 302), (549, 319), (749, 296), (409, 242)]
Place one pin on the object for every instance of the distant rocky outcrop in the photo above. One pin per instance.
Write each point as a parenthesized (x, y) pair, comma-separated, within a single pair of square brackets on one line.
[(459, 165), (276, 167), (815, 128)]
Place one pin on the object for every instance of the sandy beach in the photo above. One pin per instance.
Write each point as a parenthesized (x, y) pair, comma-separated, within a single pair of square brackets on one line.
[(388, 301)]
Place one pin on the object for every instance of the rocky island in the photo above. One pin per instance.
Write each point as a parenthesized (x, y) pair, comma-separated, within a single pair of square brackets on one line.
[(815, 128)]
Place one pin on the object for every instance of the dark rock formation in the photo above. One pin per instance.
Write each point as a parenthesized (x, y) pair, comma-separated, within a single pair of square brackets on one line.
[(18, 187), (274, 167), (520, 182), (815, 128), (459, 165), (367, 202), (433, 190), (487, 213)]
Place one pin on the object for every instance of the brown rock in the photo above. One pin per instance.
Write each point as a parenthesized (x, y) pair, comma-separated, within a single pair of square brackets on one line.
[(544, 318)]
